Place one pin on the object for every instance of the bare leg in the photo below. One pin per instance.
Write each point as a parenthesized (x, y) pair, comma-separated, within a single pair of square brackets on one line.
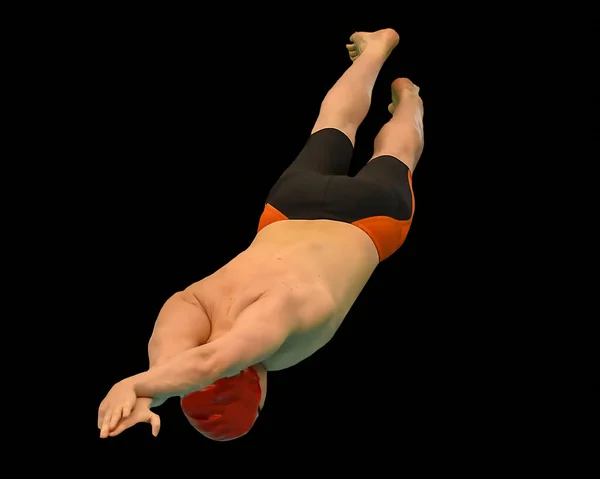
[(347, 103), (402, 136)]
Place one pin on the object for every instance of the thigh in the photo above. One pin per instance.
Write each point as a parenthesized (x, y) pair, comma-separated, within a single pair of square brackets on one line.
[(393, 177), (327, 151), (299, 194)]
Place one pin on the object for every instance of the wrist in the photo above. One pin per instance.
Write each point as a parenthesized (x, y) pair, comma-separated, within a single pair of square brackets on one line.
[(133, 381), (158, 401)]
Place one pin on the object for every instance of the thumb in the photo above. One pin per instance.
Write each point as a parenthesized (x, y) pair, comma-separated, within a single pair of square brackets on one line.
[(154, 420)]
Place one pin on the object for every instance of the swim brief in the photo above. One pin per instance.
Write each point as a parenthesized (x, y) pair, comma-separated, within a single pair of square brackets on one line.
[(379, 199)]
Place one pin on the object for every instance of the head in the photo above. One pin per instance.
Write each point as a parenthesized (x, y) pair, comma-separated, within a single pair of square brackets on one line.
[(228, 408)]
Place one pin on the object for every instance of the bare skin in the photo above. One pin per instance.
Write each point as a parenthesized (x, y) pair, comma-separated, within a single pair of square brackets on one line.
[(283, 298)]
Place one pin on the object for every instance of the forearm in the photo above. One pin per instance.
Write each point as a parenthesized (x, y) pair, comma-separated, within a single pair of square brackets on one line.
[(180, 326), (181, 374), (160, 352)]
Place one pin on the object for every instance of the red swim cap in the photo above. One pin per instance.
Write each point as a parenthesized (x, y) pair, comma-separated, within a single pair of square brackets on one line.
[(226, 409)]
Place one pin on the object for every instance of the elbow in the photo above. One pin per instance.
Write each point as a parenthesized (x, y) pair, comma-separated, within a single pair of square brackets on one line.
[(207, 368), (205, 371)]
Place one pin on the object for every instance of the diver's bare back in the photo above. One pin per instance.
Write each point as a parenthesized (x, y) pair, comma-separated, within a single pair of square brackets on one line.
[(315, 268)]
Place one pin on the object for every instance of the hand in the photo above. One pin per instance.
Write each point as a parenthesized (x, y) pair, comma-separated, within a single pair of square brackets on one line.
[(117, 404), (141, 413)]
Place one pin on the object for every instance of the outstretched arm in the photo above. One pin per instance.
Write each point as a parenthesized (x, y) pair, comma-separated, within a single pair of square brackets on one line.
[(181, 325), (259, 331)]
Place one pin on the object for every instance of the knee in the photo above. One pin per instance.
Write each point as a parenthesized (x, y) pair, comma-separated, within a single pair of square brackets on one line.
[(346, 128), (409, 150)]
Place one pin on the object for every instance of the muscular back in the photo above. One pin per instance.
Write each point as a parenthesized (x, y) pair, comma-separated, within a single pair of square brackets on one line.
[(306, 273)]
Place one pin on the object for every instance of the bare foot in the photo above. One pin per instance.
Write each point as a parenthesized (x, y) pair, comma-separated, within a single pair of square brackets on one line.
[(403, 88), (407, 109), (384, 40)]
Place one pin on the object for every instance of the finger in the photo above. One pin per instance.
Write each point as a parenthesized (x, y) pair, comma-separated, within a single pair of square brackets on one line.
[(101, 414), (104, 428), (124, 424), (115, 417), (155, 423), (127, 410)]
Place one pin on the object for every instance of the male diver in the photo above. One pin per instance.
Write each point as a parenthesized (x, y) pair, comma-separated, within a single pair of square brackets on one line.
[(320, 237)]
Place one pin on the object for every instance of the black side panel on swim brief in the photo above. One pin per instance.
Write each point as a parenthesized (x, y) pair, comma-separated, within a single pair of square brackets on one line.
[(381, 188), (328, 151)]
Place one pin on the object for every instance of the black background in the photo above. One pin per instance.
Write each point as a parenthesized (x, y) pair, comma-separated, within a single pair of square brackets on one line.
[(160, 132)]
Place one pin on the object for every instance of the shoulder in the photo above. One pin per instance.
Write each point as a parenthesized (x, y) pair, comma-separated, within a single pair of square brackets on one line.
[(305, 305)]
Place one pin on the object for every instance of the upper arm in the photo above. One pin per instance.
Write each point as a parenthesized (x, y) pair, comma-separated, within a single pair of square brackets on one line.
[(181, 324), (259, 331)]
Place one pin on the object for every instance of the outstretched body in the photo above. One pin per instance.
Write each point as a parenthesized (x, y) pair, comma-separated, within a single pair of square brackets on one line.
[(284, 297)]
